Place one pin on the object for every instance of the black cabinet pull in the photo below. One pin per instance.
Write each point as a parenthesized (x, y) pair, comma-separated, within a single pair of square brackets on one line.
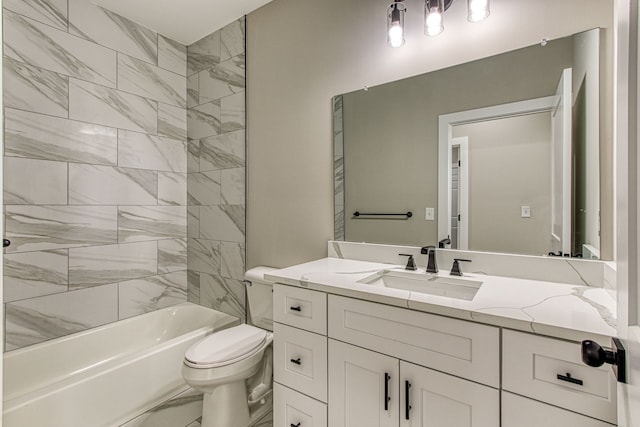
[(6, 242), (407, 406), (295, 308), (296, 361), (387, 377), (569, 379), (296, 425)]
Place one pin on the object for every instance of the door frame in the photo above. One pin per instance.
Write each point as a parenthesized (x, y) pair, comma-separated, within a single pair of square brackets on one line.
[(463, 190), (446, 122)]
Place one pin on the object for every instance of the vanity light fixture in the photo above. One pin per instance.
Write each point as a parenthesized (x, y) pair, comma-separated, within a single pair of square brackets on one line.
[(395, 23), (433, 16), (478, 10)]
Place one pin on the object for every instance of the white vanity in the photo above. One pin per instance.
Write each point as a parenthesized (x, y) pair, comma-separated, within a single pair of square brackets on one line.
[(352, 349)]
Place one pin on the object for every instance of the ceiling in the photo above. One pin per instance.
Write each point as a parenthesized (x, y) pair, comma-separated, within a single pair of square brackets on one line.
[(185, 21)]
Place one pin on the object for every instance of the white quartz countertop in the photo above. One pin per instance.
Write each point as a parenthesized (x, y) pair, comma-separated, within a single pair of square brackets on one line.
[(555, 309)]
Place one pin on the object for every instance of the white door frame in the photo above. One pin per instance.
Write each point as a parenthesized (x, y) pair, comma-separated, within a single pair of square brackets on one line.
[(446, 122)]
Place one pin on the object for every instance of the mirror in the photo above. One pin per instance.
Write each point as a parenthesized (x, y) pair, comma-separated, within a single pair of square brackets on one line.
[(397, 145)]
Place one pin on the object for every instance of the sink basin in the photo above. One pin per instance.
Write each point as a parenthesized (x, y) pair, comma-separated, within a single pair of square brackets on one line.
[(459, 288)]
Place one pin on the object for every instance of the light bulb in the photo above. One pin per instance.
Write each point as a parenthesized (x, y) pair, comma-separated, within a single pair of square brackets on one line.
[(434, 24), (478, 10), (395, 25)]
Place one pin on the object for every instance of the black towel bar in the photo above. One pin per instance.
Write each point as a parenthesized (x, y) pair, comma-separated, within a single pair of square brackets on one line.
[(359, 214)]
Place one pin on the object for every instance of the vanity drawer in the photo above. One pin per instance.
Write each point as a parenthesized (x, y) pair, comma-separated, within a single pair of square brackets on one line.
[(518, 411), (464, 349), (300, 360), (301, 308), (551, 370), (291, 408)]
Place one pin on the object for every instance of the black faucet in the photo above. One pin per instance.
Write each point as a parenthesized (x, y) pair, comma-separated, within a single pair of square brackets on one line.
[(442, 243), (432, 265), (455, 269)]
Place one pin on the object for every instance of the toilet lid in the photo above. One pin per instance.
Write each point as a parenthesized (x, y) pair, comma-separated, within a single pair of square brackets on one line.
[(227, 346)]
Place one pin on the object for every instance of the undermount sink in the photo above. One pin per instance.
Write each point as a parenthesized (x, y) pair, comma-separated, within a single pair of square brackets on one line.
[(450, 287)]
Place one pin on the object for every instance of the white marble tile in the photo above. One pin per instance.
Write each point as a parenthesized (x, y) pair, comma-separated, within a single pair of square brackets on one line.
[(172, 121), (193, 286), (101, 105), (232, 115), (40, 319), (179, 411), (224, 151), (172, 188), (140, 296), (338, 221), (43, 137), (225, 223), (193, 155), (143, 151), (141, 78), (222, 80), (112, 30), (35, 228), (172, 255), (232, 39), (203, 256), (45, 47), (34, 182), (172, 55), (225, 295), (35, 89), (142, 223), (233, 260), (203, 188), (203, 120), (233, 187), (338, 181), (106, 185), (204, 53), (50, 12), (193, 92), (98, 265), (193, 221), (34, 274)]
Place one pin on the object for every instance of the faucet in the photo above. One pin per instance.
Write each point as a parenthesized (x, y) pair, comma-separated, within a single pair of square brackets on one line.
[(411, 265), (432, 265), (455, 269)]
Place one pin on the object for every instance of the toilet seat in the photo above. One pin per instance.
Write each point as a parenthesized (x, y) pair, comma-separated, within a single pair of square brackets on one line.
[(226, 347)]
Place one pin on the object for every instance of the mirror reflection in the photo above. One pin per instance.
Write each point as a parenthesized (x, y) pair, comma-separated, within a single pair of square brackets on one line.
[(500, 154)]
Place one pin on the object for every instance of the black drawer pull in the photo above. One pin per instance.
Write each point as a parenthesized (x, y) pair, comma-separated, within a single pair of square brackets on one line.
[(296, 308), (387, 377), (407, 405), (296, 425), (569, 379), (296, 361)]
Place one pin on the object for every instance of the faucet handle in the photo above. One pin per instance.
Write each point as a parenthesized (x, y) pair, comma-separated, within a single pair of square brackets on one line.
[(455, 269), (411, 264), (425, 249)]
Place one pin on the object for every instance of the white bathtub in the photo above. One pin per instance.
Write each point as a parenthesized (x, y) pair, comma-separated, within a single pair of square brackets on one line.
[(107, 375)]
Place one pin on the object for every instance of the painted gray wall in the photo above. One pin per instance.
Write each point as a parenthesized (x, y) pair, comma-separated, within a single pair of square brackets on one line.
[(95, 169), (301, 53)]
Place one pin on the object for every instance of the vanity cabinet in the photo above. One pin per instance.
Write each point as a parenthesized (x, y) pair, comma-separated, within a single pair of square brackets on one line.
[(371, 389)]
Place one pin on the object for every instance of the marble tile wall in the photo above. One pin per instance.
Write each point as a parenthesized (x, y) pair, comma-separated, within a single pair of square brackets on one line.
[(215, 218), (95, 168), (338, 168)]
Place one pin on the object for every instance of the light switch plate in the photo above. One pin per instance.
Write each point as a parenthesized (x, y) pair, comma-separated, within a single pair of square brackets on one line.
[(525, 211), (429, 214)]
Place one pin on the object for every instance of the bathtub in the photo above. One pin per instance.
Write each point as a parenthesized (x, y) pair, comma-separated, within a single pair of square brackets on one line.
[(107, 375)]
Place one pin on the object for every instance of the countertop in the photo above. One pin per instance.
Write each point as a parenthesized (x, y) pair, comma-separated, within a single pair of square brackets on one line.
[(559, 310)]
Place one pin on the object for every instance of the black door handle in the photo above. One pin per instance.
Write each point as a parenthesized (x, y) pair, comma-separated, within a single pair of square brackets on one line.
[(407, 405), (593, 354), (387, 377)]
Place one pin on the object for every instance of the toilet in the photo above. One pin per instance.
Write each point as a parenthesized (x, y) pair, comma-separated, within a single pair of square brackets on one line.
[(220, 364)]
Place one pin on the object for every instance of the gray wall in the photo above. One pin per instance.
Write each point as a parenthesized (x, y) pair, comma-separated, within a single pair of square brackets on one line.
[(391, 135), (95, 162), (301, 53), (509, 167), (216, 163)]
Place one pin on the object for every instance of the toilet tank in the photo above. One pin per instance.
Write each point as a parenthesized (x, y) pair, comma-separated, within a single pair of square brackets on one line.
[(259, 297)]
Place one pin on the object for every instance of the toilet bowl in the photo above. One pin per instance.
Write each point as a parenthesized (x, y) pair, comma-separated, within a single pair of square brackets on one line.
[(219, 364)]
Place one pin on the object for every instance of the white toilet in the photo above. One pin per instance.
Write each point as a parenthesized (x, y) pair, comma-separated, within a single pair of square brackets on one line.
[(219, 364)]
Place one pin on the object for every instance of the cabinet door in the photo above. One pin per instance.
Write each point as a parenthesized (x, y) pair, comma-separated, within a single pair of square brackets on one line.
[(433, 399), (363, 387)]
